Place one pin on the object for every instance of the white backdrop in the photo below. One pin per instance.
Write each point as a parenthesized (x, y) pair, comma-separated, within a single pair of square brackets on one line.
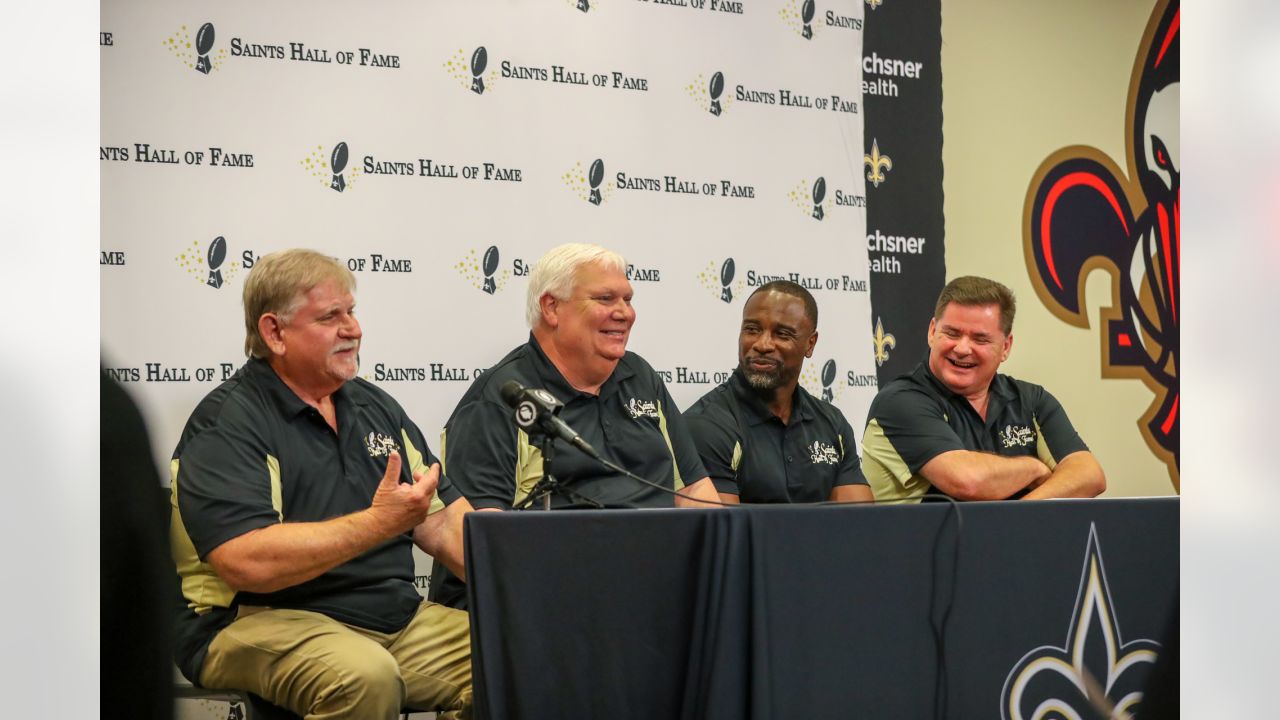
[(437, 174)]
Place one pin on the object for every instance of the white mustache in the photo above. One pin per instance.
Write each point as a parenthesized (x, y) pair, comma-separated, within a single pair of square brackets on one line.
[(351, 345)]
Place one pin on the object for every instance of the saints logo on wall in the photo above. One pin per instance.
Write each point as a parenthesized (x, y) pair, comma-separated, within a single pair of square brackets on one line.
[(799, 14), (471, 73), (588, 184), (721, 281), (811, 199), (331, 169), (482, 271), (821, 384), (709, 94), (1083, 213), (877, 164), (197, 54), (208, 266)]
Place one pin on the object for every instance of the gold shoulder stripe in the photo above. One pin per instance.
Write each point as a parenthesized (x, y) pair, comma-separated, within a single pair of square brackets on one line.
[(418, 464), (886, 472), (675, 465), (201, 586), (1042, 447)]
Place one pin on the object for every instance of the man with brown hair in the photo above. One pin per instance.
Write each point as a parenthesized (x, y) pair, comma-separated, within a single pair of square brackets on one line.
[(298, 493), (956, 427)]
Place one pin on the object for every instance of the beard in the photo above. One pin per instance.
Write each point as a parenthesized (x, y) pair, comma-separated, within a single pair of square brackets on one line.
[(762, 380)]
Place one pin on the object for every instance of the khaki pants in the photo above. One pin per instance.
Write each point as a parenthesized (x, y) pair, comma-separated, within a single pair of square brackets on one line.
[(319, 668)]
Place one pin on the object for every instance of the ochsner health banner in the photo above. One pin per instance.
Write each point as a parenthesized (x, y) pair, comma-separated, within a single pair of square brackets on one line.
[(438, 149)]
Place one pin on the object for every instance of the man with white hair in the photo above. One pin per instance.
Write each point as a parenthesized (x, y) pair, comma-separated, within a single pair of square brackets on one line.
[(580, 315)]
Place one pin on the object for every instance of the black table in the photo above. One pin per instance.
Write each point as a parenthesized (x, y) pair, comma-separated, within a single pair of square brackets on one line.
[(819, 612)]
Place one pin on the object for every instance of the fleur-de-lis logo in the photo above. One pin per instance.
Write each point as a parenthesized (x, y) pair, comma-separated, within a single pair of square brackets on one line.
[(877, 164), (883, 340), (1095, 667), (873, 4)]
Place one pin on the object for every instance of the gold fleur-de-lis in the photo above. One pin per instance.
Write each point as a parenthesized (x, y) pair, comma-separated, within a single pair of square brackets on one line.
[(873, 4), (882, 341), (875, 161)]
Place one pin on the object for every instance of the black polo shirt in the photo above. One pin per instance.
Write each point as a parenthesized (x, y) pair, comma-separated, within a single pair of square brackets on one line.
[(916, 417), (253, 454), (751, 453), (632, 422)]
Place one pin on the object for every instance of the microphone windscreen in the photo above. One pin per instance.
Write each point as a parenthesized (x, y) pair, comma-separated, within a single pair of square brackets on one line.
[(511, 391)]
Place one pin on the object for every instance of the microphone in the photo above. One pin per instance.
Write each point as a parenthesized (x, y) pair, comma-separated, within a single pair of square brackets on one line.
[(536, 412)]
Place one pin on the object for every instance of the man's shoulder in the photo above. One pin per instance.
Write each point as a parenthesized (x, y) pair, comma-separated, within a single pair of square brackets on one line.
[(903, 389), (713, 409), (634, 364), (824, 408), (367, 393), (237, 401), (1027, 392), (487, 387)]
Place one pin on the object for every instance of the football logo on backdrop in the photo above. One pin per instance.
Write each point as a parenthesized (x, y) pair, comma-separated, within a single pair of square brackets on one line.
[(482, 272), (1094, 667), (721, 282), (471, 73), (877, 164), (709, 94), (821, 384), (208, 266), (330, 170), (798, 15), (883, 342), (811, 199), (196, 54), (1083, 213), (588, 184)]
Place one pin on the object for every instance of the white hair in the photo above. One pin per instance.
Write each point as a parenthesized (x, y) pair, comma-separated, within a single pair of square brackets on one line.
[(555, 271)]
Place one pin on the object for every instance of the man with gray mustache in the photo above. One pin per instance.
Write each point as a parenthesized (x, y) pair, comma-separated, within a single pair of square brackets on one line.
[(298, 493)]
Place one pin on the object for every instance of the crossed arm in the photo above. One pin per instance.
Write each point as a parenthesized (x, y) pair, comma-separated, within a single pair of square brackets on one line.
[(970, 475)]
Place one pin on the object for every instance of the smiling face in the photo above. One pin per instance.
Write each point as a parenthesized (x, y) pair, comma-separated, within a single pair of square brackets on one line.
[(316, 345), (588, 331), (775, 338), (966, 347)]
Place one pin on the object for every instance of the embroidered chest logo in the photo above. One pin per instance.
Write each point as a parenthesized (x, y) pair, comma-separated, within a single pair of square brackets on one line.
[(1012, 436), (380, 445), (642, 408), (823, 454)]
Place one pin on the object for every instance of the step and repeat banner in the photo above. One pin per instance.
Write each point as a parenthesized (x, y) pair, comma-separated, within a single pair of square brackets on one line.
[(438, 149), (902, 165)]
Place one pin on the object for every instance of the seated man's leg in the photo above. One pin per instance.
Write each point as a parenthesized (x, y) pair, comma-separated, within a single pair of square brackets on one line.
[(434, 653), (306, 662)]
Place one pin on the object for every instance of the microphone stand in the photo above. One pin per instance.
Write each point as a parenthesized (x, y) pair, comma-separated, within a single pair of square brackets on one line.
[(548, 484)]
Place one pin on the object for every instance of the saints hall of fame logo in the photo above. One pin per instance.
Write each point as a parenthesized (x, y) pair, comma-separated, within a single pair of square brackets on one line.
[(812, 199), (721, 280), (470, 71), (196, 52), (588, 183), (709, 94), (330, 168), (1083, 213), (1094, 669), (482, 271), (208, 265)]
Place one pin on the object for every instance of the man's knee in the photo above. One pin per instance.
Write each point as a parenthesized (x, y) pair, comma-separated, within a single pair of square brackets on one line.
[(371, 681)]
